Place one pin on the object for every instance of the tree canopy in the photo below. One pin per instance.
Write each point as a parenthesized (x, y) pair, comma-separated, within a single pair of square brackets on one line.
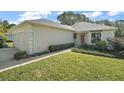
[(118, 23), (105, 22), (70, 18), (5, 25)]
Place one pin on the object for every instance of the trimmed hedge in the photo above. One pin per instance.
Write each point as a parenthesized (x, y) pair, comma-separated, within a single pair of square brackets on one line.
[(20, 54), (9, 41), (93, 52), (53, 48), (40, 53), (100, 46)]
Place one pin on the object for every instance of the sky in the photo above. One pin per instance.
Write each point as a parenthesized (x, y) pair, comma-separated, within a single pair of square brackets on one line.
[(19, 16)]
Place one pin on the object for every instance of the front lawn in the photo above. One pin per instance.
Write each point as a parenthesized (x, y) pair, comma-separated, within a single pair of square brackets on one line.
[(69, 66)]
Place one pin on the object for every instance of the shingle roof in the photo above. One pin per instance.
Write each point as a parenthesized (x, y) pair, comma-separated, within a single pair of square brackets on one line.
[(51, 23), (85, 26), (78, 27)]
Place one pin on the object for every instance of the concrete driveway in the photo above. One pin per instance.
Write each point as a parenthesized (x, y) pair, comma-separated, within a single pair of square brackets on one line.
[(11, 63), (6, 56)]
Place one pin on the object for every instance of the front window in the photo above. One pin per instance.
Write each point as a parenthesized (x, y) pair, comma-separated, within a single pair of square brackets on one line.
[(95, 37), (74, 35)]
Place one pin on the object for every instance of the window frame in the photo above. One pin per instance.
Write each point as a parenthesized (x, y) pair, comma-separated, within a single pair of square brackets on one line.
[(74, 35), (96, 38)]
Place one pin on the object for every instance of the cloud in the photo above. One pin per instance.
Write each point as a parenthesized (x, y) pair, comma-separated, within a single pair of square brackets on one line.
[(60, 12), (56, 21), (13, 22), (111, 19), (93, 14), (113, 13), (32, 15)]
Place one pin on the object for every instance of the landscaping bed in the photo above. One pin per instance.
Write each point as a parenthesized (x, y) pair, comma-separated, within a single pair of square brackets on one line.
[(93, 52), (101, 49)]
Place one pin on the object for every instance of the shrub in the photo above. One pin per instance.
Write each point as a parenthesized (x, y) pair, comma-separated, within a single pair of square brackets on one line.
[(53, 48), (9, 41), (1, 43), (20, 54), (92, 52), (2, 35), (121, 54), (89, 47), (101, 45), (40, 53)]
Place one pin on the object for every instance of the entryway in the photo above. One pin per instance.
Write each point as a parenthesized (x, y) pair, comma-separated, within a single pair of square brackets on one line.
[(82, 39)]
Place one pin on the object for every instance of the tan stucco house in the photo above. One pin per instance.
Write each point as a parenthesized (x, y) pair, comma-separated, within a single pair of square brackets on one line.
[(35, 36)]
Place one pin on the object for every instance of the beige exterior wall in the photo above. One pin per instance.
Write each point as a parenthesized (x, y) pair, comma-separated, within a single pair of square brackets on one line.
[(20, 38), (37, 38), (45, 36)]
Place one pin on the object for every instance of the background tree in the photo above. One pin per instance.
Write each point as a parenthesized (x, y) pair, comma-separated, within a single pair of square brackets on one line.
[(5, 26), (70, 18), (105, 22), (120, 25)]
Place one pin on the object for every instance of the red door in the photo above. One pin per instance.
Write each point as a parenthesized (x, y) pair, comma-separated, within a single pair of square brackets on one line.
[(82, 39)]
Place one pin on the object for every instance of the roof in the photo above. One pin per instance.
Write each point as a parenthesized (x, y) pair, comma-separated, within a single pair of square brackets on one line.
[(50, 23), (85, 26), (78, 27)]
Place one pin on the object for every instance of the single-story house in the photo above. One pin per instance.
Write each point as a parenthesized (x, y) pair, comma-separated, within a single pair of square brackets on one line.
[(35, 36)]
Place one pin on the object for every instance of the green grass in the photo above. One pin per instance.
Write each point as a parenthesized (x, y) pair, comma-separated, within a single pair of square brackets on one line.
[(69, 66), (10, 44)]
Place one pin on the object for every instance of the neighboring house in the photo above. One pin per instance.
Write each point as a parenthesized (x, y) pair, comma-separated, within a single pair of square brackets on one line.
[(36, 35), (9, 36)]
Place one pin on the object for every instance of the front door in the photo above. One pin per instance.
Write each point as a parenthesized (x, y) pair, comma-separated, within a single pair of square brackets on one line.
[(82, 39)]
